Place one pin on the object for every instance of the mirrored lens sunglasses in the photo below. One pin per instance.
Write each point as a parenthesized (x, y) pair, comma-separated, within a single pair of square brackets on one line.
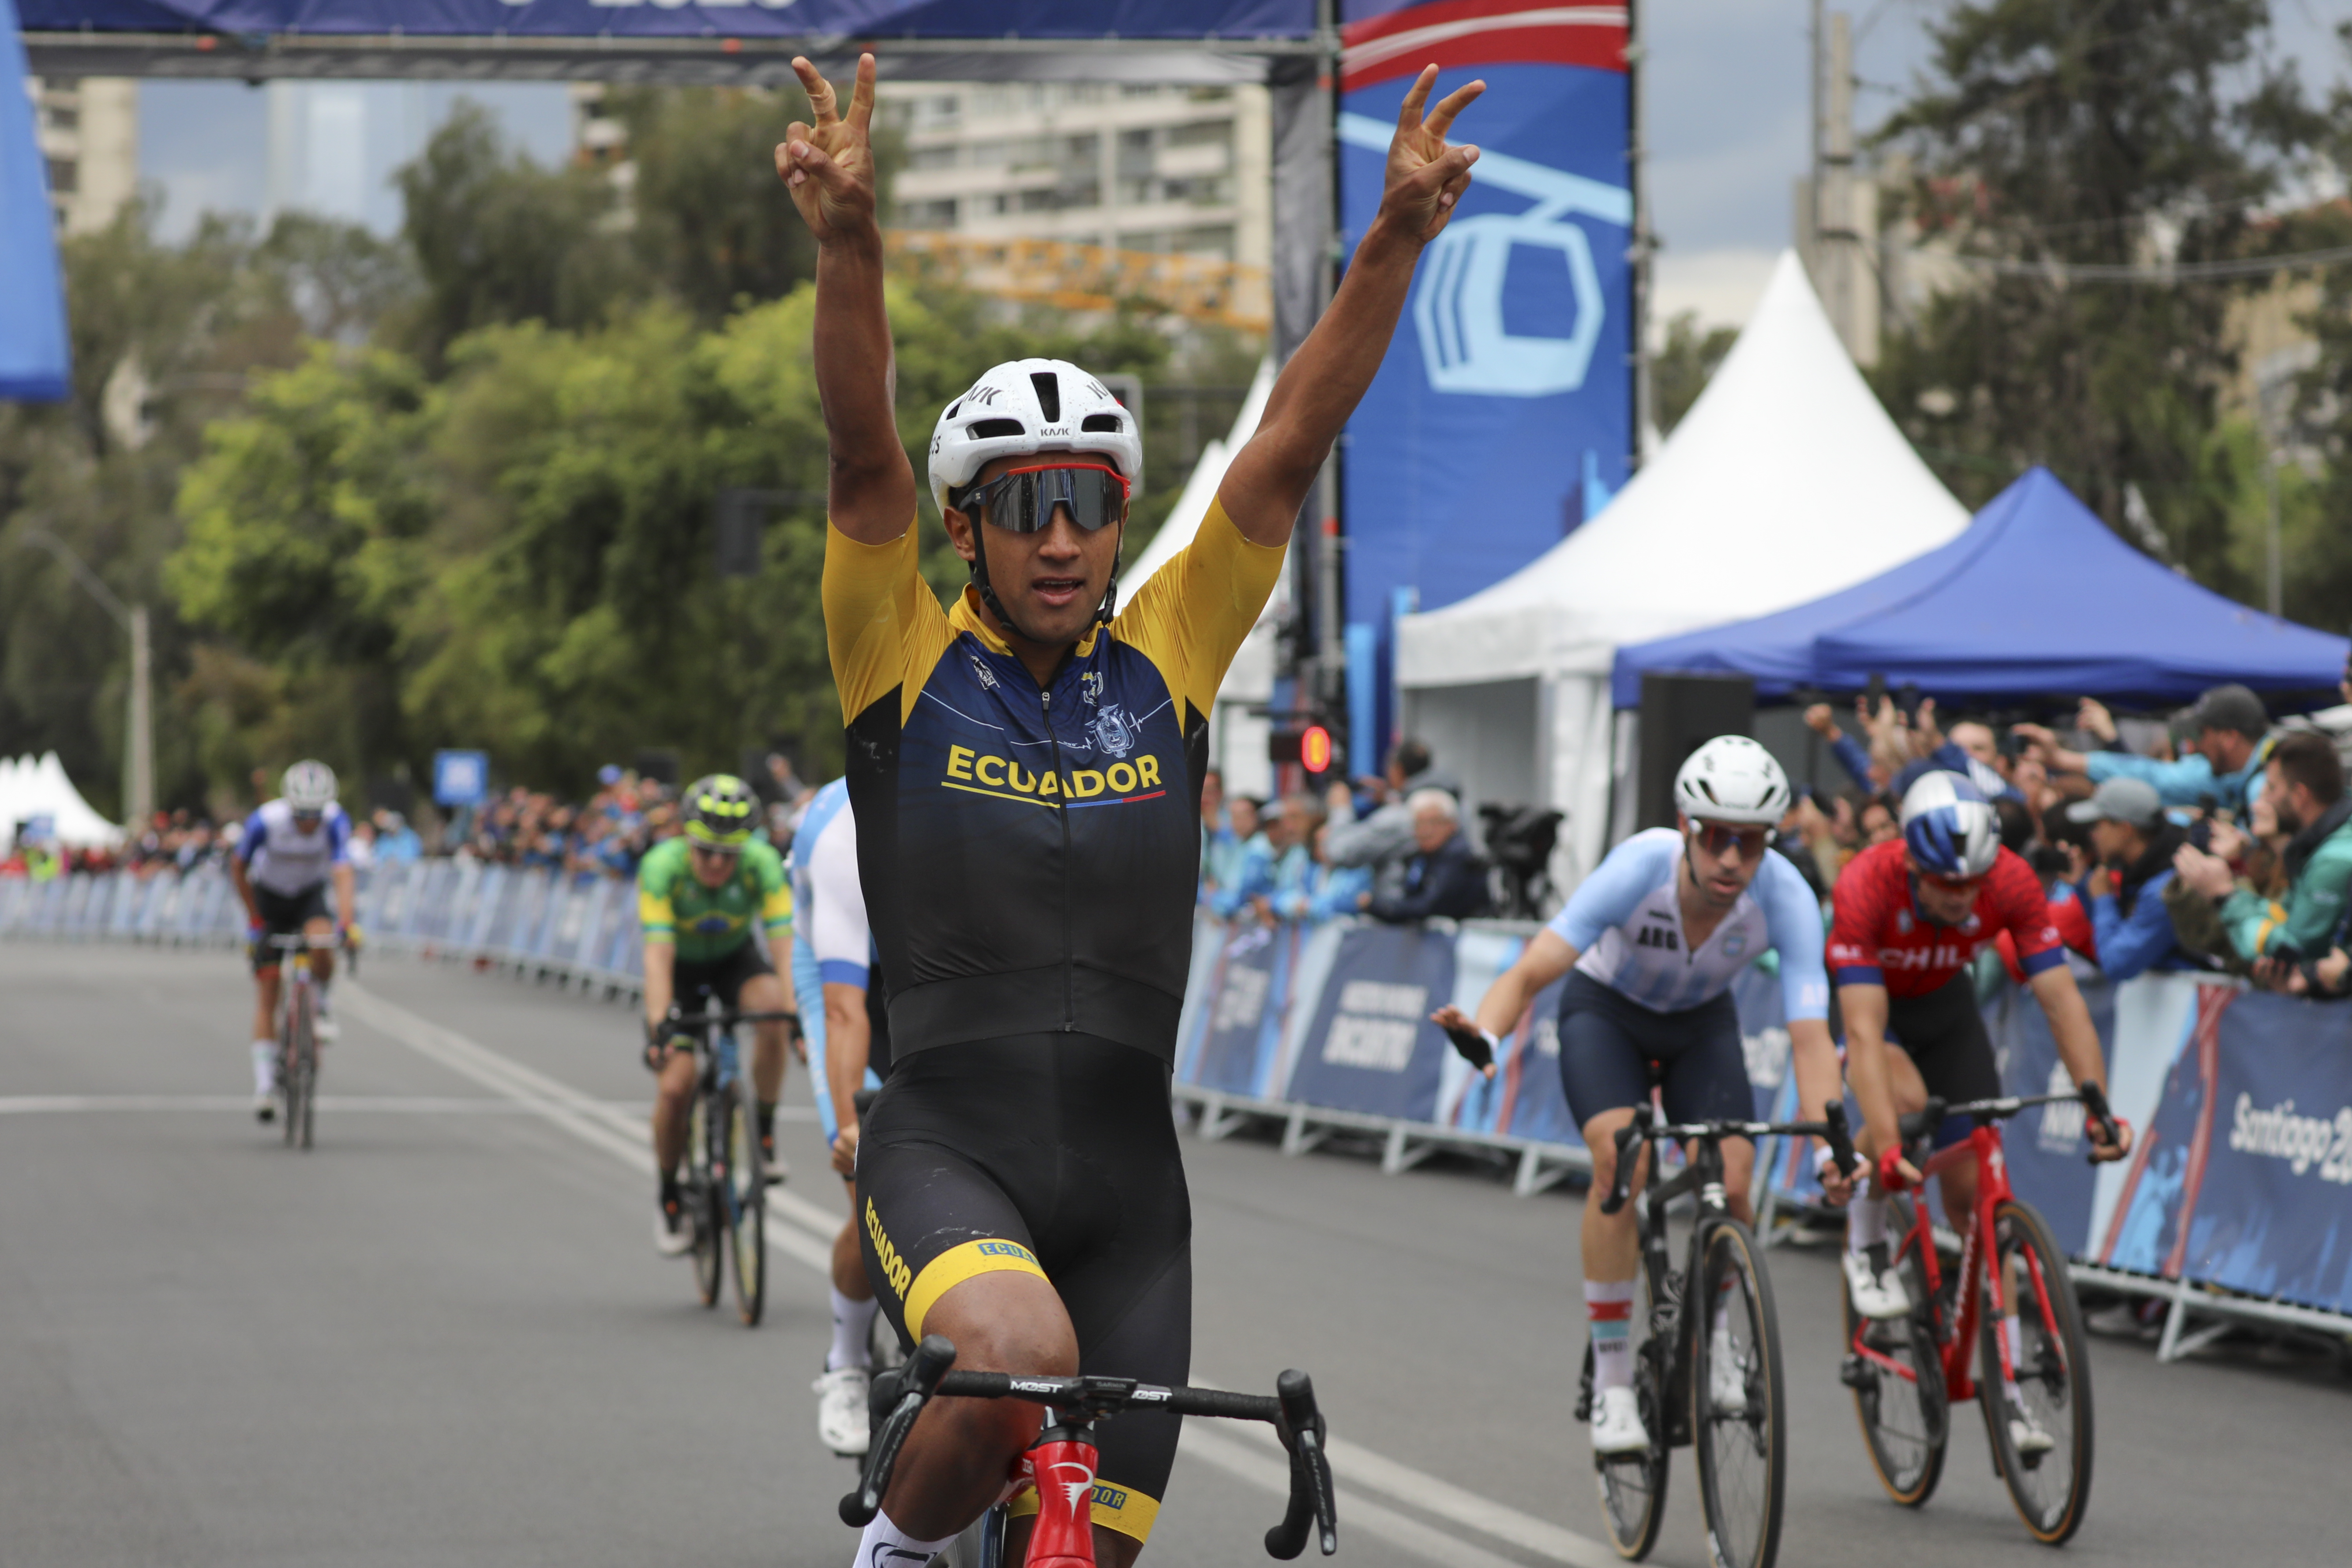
[(1023, 499)]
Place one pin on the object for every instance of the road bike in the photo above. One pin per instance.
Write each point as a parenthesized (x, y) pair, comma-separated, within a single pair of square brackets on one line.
[(297, 1085), (726, 1182), (1706, 1351), (1905, 1372), (1061, 1464)]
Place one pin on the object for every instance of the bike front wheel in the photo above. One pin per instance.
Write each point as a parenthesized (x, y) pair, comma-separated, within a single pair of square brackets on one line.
[(705, 1206), (747, 1209), (300, 1068), (1634, 1486), (1737, 1405), (2040, 1423), (1895, 1368)]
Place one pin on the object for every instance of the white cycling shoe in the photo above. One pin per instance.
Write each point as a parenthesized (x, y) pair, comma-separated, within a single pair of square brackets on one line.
[(841, 1420), (1726, 1376), (673, 1231), (1617, 1424), (323, 1027), (265, 1105), (1876, 1290), (2025, 1434)]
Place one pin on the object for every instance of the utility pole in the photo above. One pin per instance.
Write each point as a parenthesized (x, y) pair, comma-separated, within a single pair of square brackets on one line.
[(138, 749), (2276, 600), (1837, 211)]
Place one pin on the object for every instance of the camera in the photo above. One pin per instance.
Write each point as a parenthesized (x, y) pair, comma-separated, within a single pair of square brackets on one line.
[(1520, 842)]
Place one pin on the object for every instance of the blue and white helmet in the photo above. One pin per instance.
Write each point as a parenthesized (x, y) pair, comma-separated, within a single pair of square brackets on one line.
[(1951, 826), (1025, 407)]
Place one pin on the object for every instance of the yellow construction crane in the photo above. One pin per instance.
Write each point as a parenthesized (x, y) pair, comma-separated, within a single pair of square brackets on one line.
[(1074, 277)]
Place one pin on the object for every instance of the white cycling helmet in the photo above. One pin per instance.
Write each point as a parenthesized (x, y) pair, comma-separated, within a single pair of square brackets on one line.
[(1951, 826), (308, 787), (1732, 779), (1024, 407)]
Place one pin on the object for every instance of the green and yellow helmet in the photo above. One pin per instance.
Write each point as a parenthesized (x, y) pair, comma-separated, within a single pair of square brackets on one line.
[(720, 811)]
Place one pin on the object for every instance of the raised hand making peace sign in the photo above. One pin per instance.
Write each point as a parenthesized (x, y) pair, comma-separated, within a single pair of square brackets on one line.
[(829, 166), (1426, 177)]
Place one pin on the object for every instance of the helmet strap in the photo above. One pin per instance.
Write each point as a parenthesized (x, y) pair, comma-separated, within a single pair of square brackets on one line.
[(1110, 605), (979, 568)]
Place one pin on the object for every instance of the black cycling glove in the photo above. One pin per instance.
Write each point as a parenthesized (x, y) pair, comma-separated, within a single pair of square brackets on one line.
[(1476, 1046)]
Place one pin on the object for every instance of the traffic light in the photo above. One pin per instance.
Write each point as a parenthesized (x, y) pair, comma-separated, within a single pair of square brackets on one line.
[(1307, 741)]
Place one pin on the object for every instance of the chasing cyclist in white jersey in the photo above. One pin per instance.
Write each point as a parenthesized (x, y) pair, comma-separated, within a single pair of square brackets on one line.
[(839, 988), (291, 850), (1655, 936)]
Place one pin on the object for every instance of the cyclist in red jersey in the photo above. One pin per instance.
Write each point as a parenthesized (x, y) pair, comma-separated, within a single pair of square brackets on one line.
[(1911, 913)]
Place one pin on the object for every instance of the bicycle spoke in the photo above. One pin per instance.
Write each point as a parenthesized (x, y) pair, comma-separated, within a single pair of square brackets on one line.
[(2040, 1422)]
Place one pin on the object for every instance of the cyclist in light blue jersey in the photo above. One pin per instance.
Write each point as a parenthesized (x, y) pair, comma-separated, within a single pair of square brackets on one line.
[(849, 1043), (1654, 938)]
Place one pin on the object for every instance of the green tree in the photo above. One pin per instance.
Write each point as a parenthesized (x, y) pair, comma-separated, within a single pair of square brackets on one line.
[(2102, 133), (1683, 366)]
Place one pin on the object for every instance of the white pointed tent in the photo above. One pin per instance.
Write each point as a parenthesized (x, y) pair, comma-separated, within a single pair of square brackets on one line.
[(1236, 736), (1785, 481), (30, 788)]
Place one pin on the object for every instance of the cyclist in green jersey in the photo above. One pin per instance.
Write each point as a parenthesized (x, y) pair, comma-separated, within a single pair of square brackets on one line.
[(709, 904), (1026, 768)]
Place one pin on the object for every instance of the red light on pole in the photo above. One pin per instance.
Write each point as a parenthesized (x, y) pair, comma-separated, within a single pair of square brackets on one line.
[(1315, 749)]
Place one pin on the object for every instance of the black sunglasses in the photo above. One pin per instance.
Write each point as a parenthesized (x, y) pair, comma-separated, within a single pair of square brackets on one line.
[(1023, 501)]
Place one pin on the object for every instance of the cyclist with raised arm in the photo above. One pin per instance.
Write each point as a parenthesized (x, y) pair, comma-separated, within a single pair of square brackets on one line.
[(1654, 938), (834, 974), (1025, 769), (709, 903), (1910, 915), (291, 850)]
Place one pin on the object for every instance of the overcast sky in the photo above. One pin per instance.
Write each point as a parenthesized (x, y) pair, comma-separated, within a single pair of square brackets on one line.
[(1726, 110)]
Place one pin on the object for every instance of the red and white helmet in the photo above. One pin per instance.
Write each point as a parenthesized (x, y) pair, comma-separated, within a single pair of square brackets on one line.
[(1732, 779), (1024, 407)]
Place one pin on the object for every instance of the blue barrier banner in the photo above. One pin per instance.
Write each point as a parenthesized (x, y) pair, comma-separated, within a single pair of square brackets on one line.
[(1467, 1098), (1371, 1047), (2271, 1213), (2047, 1150), (1247, 1001), (2147, 1231), (1503, 412), (880, 19), (1535, 1102)]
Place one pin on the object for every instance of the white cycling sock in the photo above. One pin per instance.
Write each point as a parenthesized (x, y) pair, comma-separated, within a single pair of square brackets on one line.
[(1865, 1225), (853, 1331), (1609, 1305), (265, 1066), (885, 1545)]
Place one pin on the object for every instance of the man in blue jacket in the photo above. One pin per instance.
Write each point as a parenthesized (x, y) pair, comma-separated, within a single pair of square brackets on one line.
[(2229, 722), (1442, 877), (2136, 843)]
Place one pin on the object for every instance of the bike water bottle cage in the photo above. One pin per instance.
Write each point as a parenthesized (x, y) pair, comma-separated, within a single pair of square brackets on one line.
[(1023, 501)]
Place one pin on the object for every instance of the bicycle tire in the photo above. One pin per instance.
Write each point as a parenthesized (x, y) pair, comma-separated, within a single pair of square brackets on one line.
[(1908, 1454), (301, 1059), (1744, 1501), (746, 1195), (1634, 1486), (702, 1205), (2054, 1376)]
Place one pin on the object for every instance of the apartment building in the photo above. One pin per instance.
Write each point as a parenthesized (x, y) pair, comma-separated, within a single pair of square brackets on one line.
[(1168, 171), (88, 132)]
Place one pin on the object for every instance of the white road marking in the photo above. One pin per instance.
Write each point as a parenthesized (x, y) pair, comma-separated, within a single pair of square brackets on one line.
[(622, 1133)]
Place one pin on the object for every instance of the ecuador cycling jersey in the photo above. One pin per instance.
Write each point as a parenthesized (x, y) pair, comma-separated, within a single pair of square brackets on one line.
[(1626, 922), (1878, 936), (279, 856), (672, 905), (1030, 855)]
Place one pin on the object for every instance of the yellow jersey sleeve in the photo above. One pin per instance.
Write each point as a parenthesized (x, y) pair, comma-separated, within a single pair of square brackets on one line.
[(1190, 617), (776, 906), (883, 628), (656, 918)]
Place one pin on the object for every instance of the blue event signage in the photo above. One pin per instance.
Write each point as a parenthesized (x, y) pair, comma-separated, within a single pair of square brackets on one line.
[(1505, 398), (877, 19), (36, 358), (460, 778), (1371, 1048)]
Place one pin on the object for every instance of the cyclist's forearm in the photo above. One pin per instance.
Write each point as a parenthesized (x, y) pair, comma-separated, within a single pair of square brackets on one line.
[(1548, 958), (848, 1043), (1813, 1058), (1864, 1010), (660, 958), (872, 489), (346, 895), (2071, 1027), (244, 886)]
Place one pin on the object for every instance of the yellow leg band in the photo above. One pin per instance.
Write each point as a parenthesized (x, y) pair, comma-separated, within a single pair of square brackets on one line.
[(1122, 1509), (958, 1264)]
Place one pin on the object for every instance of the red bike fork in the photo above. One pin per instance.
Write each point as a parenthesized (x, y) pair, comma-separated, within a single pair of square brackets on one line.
[(1060, 1466)]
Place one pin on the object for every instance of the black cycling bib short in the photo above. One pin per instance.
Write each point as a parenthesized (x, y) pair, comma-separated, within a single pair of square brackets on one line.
[(1029, 857), (1607, 1040)]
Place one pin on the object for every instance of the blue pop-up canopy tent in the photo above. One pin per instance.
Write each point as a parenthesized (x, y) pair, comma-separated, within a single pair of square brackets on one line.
[(34, 358), (2037, 598)]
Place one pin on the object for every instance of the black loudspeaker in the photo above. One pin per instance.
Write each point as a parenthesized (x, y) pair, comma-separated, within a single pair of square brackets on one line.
[(1680, 713)]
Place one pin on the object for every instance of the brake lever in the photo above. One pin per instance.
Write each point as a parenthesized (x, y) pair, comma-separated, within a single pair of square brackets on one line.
[(1621, 1183), (918, 1380), (1303, 1431)]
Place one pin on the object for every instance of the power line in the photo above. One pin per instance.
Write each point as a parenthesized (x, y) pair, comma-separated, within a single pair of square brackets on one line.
[(2184, 272)]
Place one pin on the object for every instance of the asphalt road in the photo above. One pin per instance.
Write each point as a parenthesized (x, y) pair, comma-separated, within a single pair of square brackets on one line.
[(443, 1337)]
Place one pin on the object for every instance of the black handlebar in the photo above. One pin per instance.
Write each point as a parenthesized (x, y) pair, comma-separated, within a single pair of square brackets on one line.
[(726, 1017), (1646, 1126), (1920, 1123), (1841, 1141), (1292, 1413)]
